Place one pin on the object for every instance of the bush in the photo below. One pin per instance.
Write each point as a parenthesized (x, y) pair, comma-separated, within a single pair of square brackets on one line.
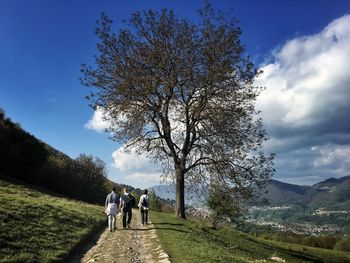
[(327, 242), (321, 241), (155, 204), (343, 245)]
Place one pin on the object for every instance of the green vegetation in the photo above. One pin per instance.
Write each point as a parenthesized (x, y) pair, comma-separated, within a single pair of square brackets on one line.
[(155, 203), (38, 227), (343, 244), (329, 242), (222, 206), (24, 157), (336, 242), (193, 241)]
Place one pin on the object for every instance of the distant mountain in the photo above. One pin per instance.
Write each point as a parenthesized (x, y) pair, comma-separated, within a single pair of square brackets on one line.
[(279, 192), (168, 192), (333, 193), (321, 208), (164, 191)]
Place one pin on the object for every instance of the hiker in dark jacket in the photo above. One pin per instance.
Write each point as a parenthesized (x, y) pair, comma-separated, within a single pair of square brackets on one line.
[(144, 206), (127, 201)]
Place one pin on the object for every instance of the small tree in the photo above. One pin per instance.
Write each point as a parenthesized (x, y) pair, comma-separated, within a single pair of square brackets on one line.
[(155, 204), (91, 175), (183, 93), (222, 205)]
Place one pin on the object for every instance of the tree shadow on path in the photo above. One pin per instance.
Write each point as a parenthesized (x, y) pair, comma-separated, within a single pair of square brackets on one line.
[(161, 228), (170, 224)]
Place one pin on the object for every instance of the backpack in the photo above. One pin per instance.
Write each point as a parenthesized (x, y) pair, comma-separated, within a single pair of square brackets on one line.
[(144, 201), (130, 201)]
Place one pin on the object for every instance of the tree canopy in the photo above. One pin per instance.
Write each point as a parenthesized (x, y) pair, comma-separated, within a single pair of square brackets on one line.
[(183, 93)]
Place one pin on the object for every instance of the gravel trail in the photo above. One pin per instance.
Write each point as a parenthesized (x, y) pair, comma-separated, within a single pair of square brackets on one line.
[(139, 244)]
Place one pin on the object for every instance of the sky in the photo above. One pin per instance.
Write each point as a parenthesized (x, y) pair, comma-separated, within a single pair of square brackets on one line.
[(303, 47)]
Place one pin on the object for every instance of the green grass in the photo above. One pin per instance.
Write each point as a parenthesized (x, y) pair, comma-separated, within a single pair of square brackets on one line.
[(38, 227), (193, 241)]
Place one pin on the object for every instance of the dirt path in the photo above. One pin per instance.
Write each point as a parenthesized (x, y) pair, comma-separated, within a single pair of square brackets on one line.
[(139, 244)]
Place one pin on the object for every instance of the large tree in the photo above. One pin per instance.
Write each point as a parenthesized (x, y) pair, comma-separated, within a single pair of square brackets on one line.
[(183, 93)]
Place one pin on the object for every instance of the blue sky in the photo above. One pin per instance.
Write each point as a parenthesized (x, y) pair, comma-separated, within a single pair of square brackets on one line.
[(43, 43)]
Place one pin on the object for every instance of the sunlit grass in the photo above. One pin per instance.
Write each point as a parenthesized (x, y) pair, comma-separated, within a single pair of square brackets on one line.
[(38, 227), (193, 241)]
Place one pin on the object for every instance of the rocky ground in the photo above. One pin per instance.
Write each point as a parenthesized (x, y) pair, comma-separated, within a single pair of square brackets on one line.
[(139, 244)]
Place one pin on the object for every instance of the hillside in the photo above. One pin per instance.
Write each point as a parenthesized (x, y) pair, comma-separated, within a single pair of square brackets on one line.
[(333, 193), (323, 208), (40, 227), (37, 226), (24, 157), (279, 192), (193, 241)]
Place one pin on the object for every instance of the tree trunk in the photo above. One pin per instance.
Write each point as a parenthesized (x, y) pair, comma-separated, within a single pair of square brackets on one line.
[(180, 192)]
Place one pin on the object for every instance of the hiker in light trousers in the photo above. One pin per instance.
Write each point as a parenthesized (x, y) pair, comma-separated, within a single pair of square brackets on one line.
[(112, 203)]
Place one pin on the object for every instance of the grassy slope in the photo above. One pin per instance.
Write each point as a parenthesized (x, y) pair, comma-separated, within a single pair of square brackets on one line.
[(38, 227), (191, 241)]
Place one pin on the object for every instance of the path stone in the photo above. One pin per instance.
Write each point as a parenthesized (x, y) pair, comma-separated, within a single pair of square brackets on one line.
[(139, 244), (278, 259)]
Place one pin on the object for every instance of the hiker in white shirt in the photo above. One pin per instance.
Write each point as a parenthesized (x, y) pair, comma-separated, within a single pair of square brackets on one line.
[(112, 202), (144, 206)]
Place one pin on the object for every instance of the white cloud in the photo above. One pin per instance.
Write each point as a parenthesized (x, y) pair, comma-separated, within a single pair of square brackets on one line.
[(145, 178), (125, 160), (306, 103), (308, 78), (332, 157), (134, 169), (98, 121)]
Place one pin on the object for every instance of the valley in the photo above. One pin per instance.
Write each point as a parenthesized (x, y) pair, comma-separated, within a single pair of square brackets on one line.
[(320, 209)]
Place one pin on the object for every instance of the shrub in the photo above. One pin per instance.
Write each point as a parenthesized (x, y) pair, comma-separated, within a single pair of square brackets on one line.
[(327, 242), (343, 245)]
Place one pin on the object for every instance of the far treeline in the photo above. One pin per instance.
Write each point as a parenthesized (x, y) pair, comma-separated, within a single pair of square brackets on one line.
[(24, 157)]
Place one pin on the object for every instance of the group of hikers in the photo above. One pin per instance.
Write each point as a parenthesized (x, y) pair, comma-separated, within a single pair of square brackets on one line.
[(124, 205)]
